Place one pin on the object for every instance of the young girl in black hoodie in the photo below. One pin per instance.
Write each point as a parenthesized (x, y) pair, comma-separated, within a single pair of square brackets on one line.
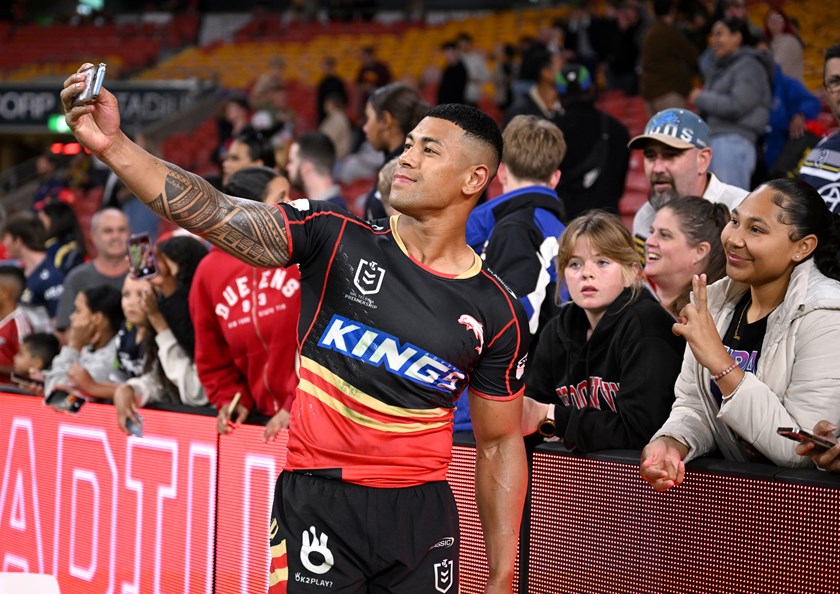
[(604, 369)]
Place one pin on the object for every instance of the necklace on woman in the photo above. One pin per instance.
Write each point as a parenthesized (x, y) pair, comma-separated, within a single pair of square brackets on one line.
[(737, 334)]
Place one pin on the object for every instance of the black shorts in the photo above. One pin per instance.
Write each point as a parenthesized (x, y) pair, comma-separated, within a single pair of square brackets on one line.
[(331, 536)]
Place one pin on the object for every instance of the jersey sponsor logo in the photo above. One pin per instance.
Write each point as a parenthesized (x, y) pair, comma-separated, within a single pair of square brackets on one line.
[(376, 348), (586, 393), (323, 559), (368, 277), (476, 328), (443, 543), (444, 575)]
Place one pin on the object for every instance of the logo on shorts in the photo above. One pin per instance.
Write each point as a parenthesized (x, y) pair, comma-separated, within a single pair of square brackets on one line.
[(368, 277), (319, 546), (444, 575), (443, 543)]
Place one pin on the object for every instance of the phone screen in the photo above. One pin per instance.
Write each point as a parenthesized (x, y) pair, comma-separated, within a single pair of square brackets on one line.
[(141, 256)]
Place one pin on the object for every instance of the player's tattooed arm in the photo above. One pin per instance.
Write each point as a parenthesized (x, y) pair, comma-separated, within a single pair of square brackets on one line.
[(252, 231)]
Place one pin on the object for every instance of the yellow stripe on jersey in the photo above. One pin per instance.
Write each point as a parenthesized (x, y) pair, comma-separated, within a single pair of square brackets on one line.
[(354, 393), (277, 576), (278, 550), (361, 419)]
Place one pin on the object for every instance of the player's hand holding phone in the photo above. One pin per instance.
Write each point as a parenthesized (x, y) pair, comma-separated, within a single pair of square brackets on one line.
[(94, 121), (820, 444)]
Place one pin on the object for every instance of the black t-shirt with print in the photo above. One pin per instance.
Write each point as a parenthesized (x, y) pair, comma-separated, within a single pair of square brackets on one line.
[(743, 340)]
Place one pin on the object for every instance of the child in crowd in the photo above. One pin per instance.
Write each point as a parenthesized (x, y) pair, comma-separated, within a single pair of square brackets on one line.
[(590, 382), (14, 324), (36, 354), (131, 357), (86, 361)]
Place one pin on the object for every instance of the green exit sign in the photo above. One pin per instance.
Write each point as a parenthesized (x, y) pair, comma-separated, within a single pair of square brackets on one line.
[(57, 123)]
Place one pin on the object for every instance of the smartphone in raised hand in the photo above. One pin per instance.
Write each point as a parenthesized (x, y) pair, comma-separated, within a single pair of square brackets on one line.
[(93, 85)]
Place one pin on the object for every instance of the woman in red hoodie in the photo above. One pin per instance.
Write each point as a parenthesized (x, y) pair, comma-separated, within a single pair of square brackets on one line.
[(246, 327)]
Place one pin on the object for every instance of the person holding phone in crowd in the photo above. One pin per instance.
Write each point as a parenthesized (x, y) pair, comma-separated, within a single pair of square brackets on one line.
[(762, 342), (825, 459), (590, 382), (168, 372), (398, 317)]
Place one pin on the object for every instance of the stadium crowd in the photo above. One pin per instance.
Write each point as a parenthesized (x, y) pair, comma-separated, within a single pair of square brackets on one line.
[(727, 284)]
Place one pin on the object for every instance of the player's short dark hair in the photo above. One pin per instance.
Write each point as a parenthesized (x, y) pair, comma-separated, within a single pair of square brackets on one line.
[(259, 145), (475, 123), (13, 275), (318, 149), (106, 300), (43, 345), (830, 53), (27, 227)]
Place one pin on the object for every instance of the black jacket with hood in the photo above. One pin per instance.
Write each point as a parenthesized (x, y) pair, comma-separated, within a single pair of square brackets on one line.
[(615, 390)]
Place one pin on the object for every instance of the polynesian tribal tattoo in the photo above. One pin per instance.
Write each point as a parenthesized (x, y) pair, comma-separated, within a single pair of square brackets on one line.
[(253, 232)]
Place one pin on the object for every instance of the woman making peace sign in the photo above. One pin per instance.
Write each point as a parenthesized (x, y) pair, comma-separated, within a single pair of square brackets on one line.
[(778, 314)]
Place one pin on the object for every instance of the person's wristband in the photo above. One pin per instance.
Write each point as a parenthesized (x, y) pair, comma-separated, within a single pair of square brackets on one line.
[(726, 371)]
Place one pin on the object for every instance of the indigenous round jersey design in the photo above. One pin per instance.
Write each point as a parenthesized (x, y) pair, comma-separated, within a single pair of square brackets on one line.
[(387, 346)]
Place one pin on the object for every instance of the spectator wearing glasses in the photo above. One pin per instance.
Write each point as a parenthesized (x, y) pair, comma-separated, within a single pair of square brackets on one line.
[(821, 167)]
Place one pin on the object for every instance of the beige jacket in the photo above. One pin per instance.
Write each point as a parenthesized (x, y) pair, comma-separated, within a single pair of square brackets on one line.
[(797, 381)]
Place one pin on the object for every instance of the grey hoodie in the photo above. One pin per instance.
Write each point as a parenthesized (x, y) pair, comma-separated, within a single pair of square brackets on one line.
[(737, 95)]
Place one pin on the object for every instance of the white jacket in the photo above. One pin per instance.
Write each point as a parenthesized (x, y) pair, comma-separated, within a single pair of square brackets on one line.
[(178, 368), (797, 381)]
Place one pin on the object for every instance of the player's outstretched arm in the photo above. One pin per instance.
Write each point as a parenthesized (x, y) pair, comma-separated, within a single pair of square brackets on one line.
[(251, 231), (501, 477)]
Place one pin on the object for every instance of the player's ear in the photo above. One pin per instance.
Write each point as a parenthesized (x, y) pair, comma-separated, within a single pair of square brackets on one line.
[(478, 176)]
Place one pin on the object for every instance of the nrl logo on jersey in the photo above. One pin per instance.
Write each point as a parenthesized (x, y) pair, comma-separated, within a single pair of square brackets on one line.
[(368, 277)]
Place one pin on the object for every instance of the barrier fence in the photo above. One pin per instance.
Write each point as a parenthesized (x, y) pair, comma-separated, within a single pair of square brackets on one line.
[(183, 510)]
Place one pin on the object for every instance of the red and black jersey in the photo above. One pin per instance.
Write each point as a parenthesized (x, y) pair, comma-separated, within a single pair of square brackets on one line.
[(387, 346)]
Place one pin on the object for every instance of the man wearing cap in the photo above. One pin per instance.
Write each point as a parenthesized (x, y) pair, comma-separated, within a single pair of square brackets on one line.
[(676, 158), (821, 167)]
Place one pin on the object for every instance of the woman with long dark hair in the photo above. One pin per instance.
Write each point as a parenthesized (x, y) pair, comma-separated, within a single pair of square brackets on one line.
[(169, 373), (391, 113), (762, 343)]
